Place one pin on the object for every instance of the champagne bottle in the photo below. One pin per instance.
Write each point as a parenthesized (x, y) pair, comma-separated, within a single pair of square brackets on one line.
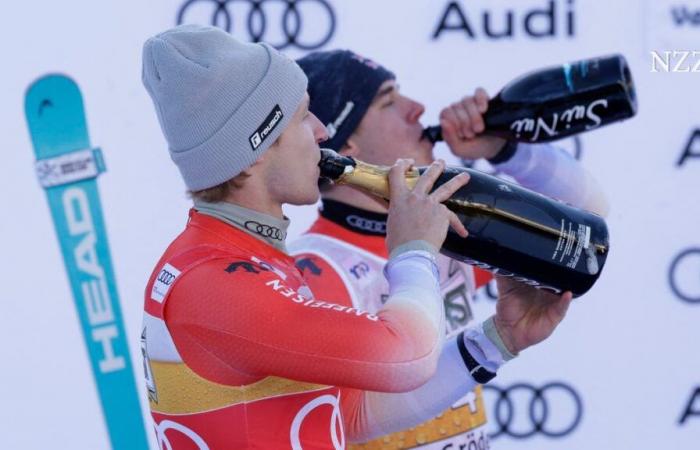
[(556, 102), (512, 231)]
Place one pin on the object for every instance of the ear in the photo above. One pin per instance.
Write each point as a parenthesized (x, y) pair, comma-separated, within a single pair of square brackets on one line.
[(350, 148)]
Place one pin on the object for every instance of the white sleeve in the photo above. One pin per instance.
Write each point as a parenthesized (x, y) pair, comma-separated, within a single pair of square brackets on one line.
[(414, 284), (384, 413), (552, 171)]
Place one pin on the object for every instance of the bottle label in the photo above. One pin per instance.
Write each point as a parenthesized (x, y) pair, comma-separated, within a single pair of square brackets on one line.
[(579, 117), (574, 240)]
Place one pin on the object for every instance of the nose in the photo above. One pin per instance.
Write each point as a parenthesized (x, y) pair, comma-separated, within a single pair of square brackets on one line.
[(415, 110), (320, 132)]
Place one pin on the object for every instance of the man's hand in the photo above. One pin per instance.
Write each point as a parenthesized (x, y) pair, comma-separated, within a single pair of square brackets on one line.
[(525, 315), (462, 123), (418, 214)]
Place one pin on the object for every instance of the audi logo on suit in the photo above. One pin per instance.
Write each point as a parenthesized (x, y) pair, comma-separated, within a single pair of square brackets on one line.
[(266, 20), (265, 230)]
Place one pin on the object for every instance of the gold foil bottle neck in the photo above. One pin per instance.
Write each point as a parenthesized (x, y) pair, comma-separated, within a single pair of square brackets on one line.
[(373, 179)]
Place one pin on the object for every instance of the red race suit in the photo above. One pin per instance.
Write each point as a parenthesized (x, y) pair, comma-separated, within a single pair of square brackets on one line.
[(238, 353)]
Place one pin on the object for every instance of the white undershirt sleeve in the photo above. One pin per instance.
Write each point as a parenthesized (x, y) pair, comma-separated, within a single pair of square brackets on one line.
[(414, 283), (552, 171), (385, 413)]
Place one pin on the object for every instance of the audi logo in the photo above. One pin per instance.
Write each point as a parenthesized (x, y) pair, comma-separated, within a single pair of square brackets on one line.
[(375, 226), (523, 410), (286, 16), (684, 275), (166, 277), (336, 428), (265, 230)]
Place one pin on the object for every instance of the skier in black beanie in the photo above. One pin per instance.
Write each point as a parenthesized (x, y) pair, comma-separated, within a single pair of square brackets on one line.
[(367, 117)]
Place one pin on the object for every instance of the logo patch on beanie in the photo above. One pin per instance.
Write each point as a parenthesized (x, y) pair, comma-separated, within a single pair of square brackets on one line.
[(332, 128), (264, 130)]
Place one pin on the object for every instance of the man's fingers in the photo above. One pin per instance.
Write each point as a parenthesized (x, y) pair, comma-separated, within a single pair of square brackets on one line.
[(477, 122), (426, 181), (457, 225), (450, 132), (482, 100), (446, 190), (465, 124), (397, 178), (447, 127), (450, 118)]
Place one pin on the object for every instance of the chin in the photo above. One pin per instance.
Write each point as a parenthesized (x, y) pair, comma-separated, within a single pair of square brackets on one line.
[(315, 197), (305, 198)]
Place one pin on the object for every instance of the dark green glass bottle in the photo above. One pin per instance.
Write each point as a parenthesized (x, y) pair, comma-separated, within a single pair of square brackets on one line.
[(556, 102), (512, 231)]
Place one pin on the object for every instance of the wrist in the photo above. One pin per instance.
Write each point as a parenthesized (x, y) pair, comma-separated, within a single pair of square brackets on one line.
[(496, 332), (479, 356), (419, 263), (415, 245), (506, 152)]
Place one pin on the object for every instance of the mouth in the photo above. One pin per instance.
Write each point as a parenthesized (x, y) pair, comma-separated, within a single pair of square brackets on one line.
[(423, 133), (317, 166), (424, 138), (432, 134)]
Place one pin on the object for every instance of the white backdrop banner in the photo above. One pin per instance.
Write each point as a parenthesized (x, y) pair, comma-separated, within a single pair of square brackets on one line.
[(622, 371)]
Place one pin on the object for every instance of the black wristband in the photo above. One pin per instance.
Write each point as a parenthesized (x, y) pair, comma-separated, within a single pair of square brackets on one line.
[(476, 370), (506, 152)]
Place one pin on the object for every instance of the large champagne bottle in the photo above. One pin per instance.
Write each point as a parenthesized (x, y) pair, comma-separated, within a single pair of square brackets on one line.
[(556, 102), (512, 231)]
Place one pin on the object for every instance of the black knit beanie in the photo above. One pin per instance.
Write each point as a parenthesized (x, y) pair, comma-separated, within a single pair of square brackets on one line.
[(341, 85)]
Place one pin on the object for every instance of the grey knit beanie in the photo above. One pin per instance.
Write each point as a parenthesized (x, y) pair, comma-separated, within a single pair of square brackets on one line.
[(221, 103)]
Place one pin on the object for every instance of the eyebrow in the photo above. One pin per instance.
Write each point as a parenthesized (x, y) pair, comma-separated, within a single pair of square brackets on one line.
[(383, 92)]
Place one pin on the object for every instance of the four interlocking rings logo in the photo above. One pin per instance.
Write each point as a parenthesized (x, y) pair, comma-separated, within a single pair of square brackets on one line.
[(523, 410), (679, 267), (166, 277), (265, 230), (374, 226), (260, 13)]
